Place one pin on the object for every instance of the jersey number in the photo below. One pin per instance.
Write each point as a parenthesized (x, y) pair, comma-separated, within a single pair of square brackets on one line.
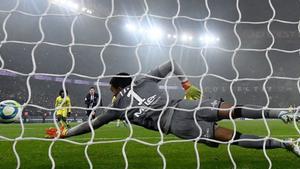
[(140, 102)]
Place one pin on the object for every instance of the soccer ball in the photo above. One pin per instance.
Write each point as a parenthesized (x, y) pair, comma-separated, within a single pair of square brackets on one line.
[(10, 111)]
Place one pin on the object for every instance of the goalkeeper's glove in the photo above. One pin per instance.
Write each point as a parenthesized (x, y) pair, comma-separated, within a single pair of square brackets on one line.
[(53, 132), (69, 114), (191, 91)]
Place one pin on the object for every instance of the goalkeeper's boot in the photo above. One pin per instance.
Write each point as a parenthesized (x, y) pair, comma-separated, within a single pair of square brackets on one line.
[(53, 132), (288, 117), (50, 132), (290, 145)]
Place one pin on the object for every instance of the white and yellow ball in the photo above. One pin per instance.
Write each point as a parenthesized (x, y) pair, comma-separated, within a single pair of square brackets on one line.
[(10, 111)]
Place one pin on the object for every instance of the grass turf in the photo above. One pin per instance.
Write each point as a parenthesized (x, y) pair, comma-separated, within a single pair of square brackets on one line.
[(34, 153)]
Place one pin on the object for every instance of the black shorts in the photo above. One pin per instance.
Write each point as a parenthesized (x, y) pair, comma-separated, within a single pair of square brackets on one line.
[(88, 112)]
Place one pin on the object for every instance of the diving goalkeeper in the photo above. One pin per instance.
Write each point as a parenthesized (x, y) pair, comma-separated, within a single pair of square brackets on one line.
[(144, 102)]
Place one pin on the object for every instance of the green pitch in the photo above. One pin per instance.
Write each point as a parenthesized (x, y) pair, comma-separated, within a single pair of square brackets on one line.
[(34, 154)]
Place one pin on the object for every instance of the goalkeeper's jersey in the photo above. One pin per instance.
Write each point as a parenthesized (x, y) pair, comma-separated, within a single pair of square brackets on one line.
[(144, 104)]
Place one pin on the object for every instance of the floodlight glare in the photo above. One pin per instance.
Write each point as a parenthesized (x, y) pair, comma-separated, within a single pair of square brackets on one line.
[(155, 33), (89, 11), (209, 39), (184, 37), (131, 27), (66, 4), (141, 31), (70, 5)]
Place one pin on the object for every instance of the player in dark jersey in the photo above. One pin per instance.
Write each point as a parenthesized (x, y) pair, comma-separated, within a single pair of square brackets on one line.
[(91, 100), (146, 105)]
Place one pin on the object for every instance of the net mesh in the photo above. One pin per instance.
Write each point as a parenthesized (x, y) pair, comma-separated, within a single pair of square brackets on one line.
[(109, 20)]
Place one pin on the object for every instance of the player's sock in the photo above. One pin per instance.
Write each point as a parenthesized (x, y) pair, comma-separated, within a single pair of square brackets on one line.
[(68, 125), (64, 122), (118, 123), (79, 129), (124, 123), (270, 143), (256, 114)]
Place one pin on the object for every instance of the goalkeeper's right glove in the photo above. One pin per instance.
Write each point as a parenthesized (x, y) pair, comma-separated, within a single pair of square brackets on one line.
[(53, 132), (191, 91)]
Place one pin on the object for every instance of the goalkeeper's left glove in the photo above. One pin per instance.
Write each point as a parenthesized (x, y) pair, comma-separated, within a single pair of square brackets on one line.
[(69, 114), (191, 91), (53, 132)]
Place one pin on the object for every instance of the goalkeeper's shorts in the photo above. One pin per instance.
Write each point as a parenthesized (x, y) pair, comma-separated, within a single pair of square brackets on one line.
[(183, 123)]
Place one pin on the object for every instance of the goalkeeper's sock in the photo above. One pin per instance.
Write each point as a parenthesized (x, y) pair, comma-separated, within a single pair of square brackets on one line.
[(259, 144), (256, 114)]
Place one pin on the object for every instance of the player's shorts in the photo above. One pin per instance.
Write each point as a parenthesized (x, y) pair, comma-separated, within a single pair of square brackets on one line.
[(62, 113), (88, 112), (183, 124)]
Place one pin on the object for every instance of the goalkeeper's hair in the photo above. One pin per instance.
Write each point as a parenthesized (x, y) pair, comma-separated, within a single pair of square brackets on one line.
[(121, 82)]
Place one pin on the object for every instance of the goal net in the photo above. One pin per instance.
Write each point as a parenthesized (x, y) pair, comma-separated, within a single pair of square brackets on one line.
[(243, 52)]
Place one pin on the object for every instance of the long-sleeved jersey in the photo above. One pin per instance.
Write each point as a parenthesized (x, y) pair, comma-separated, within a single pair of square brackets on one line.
[(142, 102), (91, 100)]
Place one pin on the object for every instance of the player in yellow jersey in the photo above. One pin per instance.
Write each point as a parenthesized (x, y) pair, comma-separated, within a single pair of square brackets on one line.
[(63, 106)]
